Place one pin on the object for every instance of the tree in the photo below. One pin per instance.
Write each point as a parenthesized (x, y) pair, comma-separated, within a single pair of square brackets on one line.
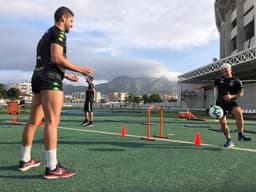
[(2, 91), (137, 99), (13, 93), (129, 98), (145, 98), (154, 98)]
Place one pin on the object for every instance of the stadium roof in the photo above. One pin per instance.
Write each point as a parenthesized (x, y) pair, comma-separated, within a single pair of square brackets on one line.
[(243, 66)]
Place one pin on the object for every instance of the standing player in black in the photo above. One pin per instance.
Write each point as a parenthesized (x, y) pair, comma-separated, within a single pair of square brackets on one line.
[(88, 104), (229, 89), (48, 94)]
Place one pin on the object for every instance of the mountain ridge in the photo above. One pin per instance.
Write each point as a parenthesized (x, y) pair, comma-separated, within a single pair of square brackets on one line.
[(135, 86)]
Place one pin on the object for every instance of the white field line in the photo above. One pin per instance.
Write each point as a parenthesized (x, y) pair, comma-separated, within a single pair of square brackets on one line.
[(158, 139)]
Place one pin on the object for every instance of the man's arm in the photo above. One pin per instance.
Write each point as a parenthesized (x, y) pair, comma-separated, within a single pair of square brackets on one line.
[(94, 90), (58, 58), (207, 86), (230, 97), (71, 77)]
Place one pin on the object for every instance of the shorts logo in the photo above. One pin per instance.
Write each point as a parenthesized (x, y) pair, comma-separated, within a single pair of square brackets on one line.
[(56, 86)]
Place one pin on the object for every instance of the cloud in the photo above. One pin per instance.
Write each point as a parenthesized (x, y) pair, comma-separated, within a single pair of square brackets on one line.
[(105, 31), (107, 68), (14, 76), (82, 81), (153, 24), (17, 48)]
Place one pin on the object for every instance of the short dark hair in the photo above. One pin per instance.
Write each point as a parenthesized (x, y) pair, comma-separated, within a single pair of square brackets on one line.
[(62, 11), (90, 77)]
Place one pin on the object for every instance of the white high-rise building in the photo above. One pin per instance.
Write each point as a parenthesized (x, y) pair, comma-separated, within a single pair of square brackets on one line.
[(24, 87)]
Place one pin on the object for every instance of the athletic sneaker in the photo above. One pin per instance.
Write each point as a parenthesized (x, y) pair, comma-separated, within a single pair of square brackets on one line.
[(90, 124), (229, 144), (84, 122), (244, 138), (58, 172), (24, 166)]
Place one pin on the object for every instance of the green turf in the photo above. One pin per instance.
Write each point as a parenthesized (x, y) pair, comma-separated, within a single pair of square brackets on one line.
[(112, 163)]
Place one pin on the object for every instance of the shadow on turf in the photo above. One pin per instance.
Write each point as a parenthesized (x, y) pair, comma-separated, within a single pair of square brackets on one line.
[(8, 168), (138, 145), (21, 177), (122, 144), (78, 121), (14, 169), (19, 142), (107, 149)]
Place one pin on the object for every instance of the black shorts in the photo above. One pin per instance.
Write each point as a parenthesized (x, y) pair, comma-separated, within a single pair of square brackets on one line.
[(88, 106), (46, 81), (227, 106)]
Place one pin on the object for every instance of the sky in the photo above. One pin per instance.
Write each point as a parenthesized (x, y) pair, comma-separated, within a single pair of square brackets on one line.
[(145, 38)]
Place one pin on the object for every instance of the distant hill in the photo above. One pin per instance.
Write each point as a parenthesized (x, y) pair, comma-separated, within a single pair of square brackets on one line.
[(69, 89), (136, 86)]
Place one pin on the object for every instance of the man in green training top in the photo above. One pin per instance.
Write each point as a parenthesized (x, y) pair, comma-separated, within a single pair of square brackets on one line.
[(47, 100)]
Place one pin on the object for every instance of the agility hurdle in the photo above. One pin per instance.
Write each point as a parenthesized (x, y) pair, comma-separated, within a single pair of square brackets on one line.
[(160, 124)]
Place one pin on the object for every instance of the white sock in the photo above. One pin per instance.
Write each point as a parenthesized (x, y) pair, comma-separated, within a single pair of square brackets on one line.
[(25, 153), (51, 158)]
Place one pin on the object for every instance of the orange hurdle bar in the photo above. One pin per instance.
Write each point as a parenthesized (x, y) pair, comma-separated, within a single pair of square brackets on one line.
[(161, 124)]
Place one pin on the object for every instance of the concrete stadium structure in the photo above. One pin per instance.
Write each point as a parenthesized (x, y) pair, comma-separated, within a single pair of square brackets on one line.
[(235, 20)]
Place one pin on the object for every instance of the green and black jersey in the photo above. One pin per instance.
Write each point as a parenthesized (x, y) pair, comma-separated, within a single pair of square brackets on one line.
[(43, 57), (48, 75), (232, 86)]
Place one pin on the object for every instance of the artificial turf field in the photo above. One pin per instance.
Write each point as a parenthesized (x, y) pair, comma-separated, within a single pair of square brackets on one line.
[(106, 161)]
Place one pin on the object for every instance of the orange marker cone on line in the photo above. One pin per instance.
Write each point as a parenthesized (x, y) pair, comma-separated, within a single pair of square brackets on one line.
[(123, 131), (14, 120), (198, 140)]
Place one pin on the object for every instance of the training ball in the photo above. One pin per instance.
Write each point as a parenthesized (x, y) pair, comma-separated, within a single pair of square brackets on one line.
[(216, 112)]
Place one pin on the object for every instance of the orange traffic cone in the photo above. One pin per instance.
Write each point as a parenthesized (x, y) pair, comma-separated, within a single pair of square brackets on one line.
[(198, 140), (14, 120), (123, 131)]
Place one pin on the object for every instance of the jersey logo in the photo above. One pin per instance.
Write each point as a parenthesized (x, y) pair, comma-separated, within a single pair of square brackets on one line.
[(61, 36), (231, 83)]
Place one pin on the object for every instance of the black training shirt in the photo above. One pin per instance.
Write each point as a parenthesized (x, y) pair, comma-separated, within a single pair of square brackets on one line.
[(225, 86), (90, 92), (53, 35)]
